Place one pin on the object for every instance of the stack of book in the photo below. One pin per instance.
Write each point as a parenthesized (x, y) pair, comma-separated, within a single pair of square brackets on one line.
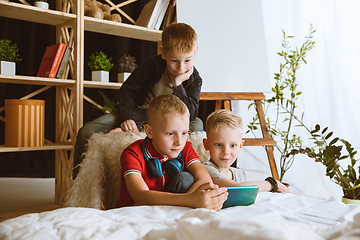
[(156, 14), (54, 61)]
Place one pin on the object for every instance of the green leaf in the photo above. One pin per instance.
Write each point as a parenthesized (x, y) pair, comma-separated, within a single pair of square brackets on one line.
[(334, 141), (324, 130), (329, 135)]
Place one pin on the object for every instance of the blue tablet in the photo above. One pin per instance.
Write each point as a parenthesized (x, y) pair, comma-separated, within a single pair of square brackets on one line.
[(241, 196)]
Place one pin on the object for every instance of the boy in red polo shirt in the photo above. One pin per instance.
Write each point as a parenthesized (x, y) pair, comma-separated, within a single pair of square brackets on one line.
[(163, 169)]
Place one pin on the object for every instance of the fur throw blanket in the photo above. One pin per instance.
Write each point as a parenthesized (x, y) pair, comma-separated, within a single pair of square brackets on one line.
[(98, 182)]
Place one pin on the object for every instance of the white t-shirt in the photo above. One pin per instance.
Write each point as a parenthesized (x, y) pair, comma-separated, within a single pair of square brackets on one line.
[(216, 175)]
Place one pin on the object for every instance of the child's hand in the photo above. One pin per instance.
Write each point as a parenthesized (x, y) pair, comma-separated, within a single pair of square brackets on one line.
[(282, 188), (209, 196), (179, 79), (129, 125)]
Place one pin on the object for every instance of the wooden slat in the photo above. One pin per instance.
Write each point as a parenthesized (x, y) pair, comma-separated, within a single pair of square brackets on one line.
[(265, 133), (227, 104), (95, 84), (259, 142), (47, 146), (35, 14), (218, 105), (231, 96), (113, 6), (121, 29), (17, 79)]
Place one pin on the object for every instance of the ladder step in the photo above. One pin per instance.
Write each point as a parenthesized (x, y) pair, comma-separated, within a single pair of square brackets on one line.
[(259, 142)]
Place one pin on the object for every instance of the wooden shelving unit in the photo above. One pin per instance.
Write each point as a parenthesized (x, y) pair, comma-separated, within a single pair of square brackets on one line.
[(71, 25)]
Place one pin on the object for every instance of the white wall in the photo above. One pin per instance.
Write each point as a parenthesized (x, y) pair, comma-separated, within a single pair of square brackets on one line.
[(329, 82)]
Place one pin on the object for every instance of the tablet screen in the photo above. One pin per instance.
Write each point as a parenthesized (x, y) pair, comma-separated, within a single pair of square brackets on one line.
[(241, 196)]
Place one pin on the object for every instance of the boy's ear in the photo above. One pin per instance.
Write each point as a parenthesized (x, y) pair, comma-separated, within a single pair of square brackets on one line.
[(148, 131), (242, 143), (162, 52), (206, 144)]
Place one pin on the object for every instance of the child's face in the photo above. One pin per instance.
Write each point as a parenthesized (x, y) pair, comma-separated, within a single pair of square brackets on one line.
[(224, 146), (178, 63), (169, 133)]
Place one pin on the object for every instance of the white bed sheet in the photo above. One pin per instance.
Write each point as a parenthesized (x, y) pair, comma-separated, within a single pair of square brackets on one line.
[(273, 216)]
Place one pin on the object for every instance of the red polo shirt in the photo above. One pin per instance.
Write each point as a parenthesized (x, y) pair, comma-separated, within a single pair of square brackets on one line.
[(133, 162)]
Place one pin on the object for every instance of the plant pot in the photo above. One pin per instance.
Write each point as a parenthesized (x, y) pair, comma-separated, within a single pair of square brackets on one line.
[(100, 76), (43, 5), (123, 76), (7, 68), (350, 201)]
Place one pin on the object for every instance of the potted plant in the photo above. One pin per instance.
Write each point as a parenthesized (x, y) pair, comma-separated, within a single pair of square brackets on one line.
[(331, 154), (41, 4), (100, 66), (8, 56), (126, 65)]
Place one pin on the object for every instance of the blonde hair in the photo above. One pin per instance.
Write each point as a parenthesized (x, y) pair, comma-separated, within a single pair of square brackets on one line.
[(164, 104), (223, 118), (179, 37)]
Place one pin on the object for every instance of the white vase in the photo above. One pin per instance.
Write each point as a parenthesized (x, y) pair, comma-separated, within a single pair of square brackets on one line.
[(7, 68), (100, 76), (43, 5), (123, 76), (350, 201)]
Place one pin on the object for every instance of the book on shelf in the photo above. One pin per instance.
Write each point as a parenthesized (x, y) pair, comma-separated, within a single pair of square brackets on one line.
[(64, 63), (168, 18), (146, 13), (150, 13), (161, 16), (51, 60)]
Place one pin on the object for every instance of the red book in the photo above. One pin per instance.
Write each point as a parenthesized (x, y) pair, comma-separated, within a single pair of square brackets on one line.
[(51, 60)]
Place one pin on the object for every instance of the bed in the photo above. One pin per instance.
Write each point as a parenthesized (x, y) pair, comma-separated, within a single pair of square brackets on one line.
[(89, 213), (273, 216)]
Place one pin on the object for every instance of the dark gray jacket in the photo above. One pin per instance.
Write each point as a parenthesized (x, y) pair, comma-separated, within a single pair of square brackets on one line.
[(135, 89)]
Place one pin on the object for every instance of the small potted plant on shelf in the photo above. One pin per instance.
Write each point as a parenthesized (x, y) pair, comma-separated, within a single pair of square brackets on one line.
[(100, 66), (126, 65), (41, 4), (8, 56)]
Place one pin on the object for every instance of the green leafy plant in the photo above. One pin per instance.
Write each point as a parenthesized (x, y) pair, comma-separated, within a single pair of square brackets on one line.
[(280, 124), (109, 105), (9, 51), (326, 150), (99, 61), (332, 155), (126, 64)]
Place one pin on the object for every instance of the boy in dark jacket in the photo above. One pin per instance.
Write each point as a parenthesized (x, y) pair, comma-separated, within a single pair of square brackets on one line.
[(172, 72)]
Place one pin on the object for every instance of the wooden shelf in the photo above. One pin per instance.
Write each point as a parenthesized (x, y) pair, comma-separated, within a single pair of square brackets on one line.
[(121, 29), (95, 84), (47, 146), (17, 79), (34, 14)]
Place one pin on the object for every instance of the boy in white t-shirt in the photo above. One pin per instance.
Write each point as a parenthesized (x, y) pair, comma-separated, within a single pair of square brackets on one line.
[(224, 131)]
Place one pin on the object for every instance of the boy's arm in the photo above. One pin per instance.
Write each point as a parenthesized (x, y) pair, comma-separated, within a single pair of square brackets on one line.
[(200, 174), (264, 186), (189, 93), (206, 196)]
